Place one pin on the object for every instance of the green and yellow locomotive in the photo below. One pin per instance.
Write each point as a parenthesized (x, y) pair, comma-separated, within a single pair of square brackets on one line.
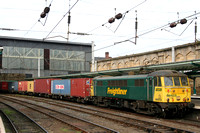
[(161, 92)]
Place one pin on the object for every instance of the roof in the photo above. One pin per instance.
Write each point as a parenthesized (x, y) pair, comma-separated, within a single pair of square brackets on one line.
[(192, 65), (43, 40), (167, 73), (122, 77)]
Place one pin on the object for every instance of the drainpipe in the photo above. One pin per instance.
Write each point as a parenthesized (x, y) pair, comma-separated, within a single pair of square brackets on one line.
[(38, 62), (173, 54), (93, 61), (194, 86)]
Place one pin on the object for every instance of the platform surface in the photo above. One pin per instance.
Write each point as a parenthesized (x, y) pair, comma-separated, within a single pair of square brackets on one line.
[(2, 129), (196, 100)]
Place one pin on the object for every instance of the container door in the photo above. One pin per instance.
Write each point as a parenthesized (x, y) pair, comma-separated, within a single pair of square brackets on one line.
[(87, 87)]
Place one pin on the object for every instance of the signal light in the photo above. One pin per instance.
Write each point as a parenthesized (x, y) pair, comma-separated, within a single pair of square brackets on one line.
[(183, 21), (172, 25), (118, 16), (111, 20)]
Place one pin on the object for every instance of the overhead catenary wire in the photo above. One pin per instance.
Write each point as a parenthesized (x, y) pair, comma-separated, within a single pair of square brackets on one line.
[(39, 20), (147, 32), (161, 27), (104, 24), (61, 19), (124, 14)]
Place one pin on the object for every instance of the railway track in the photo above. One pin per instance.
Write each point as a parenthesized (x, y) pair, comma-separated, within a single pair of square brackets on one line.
[(75, 122), (17, 122), (141, 124)]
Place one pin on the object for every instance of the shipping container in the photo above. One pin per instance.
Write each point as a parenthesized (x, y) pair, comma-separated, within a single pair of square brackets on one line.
[(60, 87), (43, 86), (16, 86), (4, 86), (22, 86), (30, 87), (81, 87), (11, 86)]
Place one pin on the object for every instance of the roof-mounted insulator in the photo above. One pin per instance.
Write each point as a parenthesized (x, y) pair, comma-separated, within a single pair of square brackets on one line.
[(111, 20), (172, 25), (183, 21), (118, 16)]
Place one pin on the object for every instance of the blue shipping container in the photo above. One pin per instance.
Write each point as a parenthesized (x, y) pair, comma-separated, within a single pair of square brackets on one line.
[(16, 86), (13, 86), (61, 87)]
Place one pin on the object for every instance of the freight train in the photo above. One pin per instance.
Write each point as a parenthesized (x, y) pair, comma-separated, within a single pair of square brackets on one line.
[(164, 92)]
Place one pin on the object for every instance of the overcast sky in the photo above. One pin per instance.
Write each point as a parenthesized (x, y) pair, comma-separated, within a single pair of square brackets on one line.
[(88, 16)]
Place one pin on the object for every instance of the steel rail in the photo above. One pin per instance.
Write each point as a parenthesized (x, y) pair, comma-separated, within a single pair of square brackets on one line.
[(26, 117), (151, 126), (14, 129), (80, 119)]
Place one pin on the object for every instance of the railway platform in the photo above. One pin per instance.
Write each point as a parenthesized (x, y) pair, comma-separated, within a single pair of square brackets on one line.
[(195, 115), (196, 100), (2, 129)]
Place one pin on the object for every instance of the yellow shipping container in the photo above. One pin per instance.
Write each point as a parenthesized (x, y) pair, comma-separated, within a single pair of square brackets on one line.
[(30, 86)]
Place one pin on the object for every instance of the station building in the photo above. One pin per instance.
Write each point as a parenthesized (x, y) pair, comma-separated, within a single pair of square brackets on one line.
[(34, 57)]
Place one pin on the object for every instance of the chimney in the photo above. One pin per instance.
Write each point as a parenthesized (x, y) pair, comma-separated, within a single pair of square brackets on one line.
[(107, 55)]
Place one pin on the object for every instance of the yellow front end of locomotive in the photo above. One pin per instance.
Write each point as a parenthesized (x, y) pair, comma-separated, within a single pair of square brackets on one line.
[(172, 90)]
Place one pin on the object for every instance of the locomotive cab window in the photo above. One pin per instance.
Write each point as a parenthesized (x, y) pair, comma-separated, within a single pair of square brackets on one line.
[(168, 81), (184, 81), (157, 81), (177, 81)]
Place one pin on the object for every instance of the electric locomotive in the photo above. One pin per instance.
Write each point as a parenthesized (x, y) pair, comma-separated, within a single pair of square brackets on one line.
[(164, 92)]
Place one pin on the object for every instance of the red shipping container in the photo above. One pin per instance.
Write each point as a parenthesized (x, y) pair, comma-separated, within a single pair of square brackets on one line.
[(22, 86), (81, 87), (4, 86), (42, 86)]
